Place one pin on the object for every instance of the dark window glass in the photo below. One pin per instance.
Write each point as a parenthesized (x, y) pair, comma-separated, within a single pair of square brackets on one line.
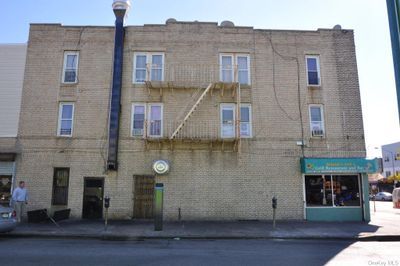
[(60, 186), (330, 191), (312, 64), (5, 190), (317, 191), (346, 190), (313, 78)]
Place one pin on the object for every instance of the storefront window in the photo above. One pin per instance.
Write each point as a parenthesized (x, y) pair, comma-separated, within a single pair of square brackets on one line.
[(332, 190), (5, 189)]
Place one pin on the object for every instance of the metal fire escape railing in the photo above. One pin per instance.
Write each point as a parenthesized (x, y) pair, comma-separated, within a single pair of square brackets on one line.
[(191, 111), (205, 79)]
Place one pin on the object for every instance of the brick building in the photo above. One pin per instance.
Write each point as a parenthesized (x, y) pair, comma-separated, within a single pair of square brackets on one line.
[(298, 134)]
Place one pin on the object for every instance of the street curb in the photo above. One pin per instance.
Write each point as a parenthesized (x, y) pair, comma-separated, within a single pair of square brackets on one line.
[(111, 237)]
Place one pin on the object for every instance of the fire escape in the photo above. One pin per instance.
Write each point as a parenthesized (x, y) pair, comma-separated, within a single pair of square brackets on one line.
[(201, 82)]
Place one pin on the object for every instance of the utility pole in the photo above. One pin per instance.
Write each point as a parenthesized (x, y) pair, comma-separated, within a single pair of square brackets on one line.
[(393, 7)]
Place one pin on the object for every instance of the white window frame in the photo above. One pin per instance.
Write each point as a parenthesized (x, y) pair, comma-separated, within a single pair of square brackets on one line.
[(224, 106), (132, 117), (149, 65), (221, 69), (66, 54), (247, 105), (248, 67), (318, 70), (234, 57), (321, 107), (149, 122), (60, 109)]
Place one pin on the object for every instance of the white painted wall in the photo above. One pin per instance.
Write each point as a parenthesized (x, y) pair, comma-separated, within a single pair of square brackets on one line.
[(12, 67)]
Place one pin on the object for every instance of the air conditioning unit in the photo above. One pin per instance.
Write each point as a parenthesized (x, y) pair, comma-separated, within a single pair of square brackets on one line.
[(317, 132)]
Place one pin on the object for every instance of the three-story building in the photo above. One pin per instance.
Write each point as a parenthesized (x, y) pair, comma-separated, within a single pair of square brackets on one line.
[(239, 114)]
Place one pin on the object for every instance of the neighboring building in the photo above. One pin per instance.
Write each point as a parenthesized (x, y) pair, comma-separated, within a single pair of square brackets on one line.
[(391, 159), (12, 65), (299, 135)]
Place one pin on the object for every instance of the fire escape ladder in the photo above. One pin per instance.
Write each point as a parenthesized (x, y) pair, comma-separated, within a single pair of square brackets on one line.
[(194, 107)]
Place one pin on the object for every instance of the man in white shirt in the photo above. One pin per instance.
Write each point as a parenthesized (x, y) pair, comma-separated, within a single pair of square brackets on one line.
[(20, 198)]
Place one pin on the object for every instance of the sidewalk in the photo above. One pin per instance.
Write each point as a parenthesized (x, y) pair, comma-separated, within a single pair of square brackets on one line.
[(385, 225)]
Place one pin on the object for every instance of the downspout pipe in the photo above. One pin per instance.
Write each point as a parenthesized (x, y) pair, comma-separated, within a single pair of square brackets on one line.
[(393, 7), (115, 110)]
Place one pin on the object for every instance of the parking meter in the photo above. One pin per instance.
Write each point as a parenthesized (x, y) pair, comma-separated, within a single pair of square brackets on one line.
[(107, 202), (274, 202), (106, 205)]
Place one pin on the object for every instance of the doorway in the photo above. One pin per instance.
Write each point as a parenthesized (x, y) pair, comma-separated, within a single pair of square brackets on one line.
[(93, 198), (143, 197)]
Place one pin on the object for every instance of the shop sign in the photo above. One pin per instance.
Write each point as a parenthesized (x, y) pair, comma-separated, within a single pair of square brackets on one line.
[(338, 165)]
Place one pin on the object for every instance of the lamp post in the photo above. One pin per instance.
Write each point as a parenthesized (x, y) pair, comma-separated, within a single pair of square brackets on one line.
[(393, 8)]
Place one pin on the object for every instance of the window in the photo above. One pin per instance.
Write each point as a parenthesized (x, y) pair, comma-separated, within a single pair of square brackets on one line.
[(227, 68), (148, 66), (243, 69), (60, 186), (317, 121), (387, 158), (138, 119), (155, 120), (245, 121), (70, 71), (332, 191), (227, 120), (313, 71), (388, 173), (65, 119), (5, 189), (150, 116)]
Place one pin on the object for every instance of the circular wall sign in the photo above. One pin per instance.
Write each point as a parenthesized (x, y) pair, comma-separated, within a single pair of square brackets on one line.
[(161, 167)]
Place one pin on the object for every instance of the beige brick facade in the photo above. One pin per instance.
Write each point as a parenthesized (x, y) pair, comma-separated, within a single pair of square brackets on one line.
[(206, 181)]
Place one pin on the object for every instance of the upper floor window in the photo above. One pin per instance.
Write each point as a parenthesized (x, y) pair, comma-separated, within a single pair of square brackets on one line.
[(317, 121), (153, 113), (235, 68), (155, 120), (70, 69), (138, 119), (245, 121), (148, 67), (65, 119), (228, 120), (313, 70)]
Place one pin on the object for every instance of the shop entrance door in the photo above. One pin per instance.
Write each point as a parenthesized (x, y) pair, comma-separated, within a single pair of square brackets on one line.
[(5, 189), (143, 197), (93, 198)]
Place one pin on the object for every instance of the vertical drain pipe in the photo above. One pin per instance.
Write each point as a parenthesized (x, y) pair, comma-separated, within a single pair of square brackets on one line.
[(120, 9)]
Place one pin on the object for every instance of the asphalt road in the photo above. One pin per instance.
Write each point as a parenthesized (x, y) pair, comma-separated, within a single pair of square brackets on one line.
[(197, 252)]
